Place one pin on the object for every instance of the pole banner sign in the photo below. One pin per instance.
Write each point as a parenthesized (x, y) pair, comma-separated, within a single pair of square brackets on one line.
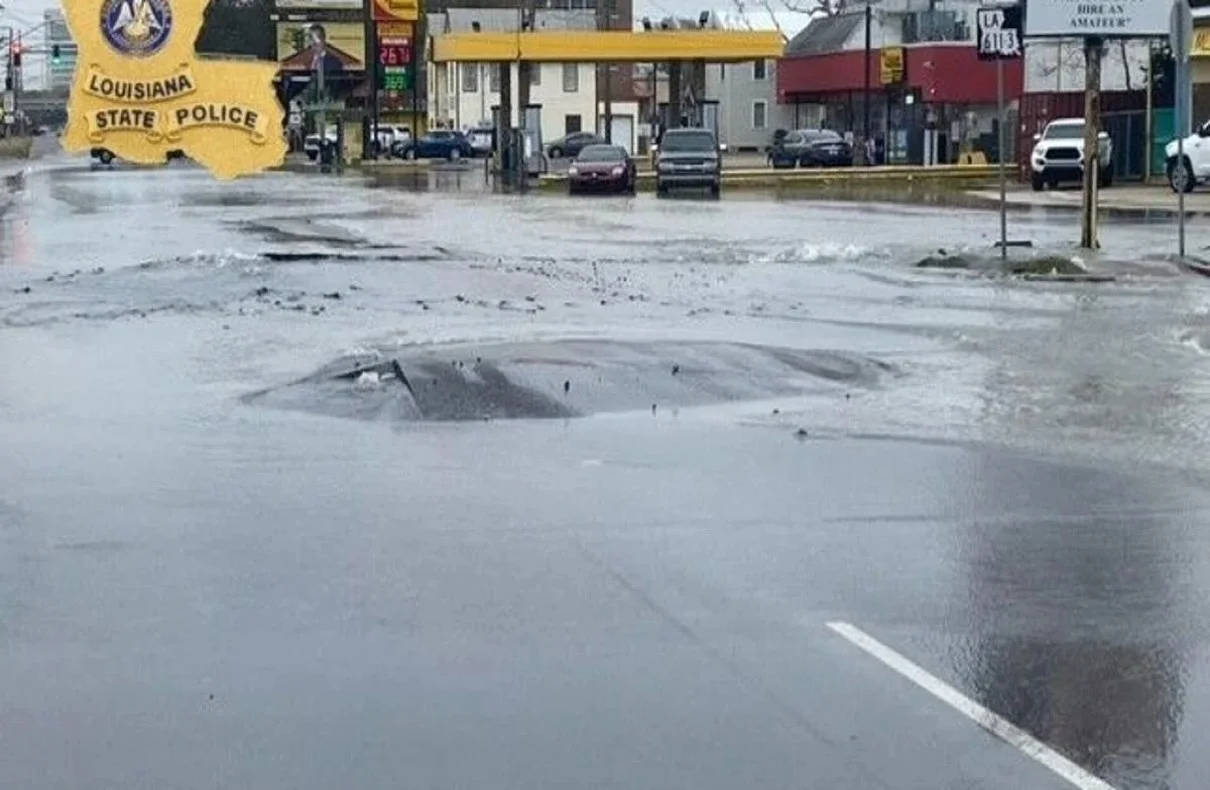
[(1097, 18)]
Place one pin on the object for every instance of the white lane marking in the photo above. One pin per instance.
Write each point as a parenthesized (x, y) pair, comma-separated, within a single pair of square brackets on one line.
[(996, 725)]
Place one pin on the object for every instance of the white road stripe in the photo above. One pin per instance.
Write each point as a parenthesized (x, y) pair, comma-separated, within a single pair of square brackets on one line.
[(1000, 727)]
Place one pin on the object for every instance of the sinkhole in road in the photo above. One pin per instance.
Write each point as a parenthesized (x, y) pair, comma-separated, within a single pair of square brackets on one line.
[(564, 379)]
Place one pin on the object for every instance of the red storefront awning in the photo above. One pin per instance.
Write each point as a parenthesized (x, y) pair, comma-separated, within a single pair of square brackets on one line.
[(942, 73)]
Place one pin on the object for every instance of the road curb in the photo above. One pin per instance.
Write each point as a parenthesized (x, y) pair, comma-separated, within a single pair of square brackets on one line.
[(837, 177)]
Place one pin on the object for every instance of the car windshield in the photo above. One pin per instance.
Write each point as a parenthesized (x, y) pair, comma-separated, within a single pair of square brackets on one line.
[(821, 136), (687, 141), (1066, 131), (602, 153)]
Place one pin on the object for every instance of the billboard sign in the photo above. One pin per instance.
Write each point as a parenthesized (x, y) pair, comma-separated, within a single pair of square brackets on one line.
[(342, 45), (1113, 19), (998, 33)]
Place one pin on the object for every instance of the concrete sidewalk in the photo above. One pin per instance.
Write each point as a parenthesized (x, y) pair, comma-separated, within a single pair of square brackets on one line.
[(1132, 198)]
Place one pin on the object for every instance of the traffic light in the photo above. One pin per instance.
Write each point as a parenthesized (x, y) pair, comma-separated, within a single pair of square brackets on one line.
[(15, 53), (55, 54)]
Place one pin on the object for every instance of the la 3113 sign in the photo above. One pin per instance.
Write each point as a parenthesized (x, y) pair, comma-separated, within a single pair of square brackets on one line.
[(140, 91)]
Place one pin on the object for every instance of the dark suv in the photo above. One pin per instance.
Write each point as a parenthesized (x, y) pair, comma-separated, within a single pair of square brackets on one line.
[(690, 158)]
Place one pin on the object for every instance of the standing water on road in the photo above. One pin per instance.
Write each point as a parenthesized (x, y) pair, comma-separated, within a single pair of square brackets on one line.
[(321, 483)]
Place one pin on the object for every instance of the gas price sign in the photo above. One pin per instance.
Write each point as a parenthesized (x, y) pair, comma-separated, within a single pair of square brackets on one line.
[(395, 53)]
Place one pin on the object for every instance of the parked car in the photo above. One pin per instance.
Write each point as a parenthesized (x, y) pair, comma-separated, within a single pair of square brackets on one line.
[(437, 144), (572, 144), (690, 158), (482, 139), (386, 137), (811, 148), (1195, 168), (107, 157), (1058, 155), (605, 168)]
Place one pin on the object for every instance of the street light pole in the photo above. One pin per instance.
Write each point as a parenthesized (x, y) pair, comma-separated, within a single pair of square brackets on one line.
[(869, 15), (369, 139)]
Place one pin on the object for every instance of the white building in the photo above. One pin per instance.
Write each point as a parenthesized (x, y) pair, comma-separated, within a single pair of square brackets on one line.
[(748, 112), (464, 94)]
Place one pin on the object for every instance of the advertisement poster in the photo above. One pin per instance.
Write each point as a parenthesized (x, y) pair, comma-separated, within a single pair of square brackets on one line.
[(342, 44)]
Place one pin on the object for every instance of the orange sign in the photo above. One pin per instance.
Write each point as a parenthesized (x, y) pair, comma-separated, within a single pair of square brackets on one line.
[(394, 30), (396, 10), (1201, 43), (891, 65)]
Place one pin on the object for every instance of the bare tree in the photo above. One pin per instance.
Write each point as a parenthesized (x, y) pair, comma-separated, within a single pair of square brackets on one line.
[(814, 8), (1125, 63), (773, 17)]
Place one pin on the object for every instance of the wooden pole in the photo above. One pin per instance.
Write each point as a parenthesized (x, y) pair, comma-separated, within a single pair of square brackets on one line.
[(1092, 142)]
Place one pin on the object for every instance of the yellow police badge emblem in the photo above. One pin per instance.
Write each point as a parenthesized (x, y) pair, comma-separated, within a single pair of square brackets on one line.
[(140, 91)]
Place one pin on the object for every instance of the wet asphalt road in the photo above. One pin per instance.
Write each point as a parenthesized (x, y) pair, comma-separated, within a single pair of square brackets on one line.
[(312, 485)]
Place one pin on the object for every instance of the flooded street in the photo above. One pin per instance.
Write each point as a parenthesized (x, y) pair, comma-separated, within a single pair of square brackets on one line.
[(318, 483)]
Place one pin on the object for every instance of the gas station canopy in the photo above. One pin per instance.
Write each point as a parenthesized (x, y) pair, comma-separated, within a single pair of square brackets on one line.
[(614, 46)]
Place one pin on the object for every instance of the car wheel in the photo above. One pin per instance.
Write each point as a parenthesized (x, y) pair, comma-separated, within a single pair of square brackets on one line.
[(1179, 176), (106, 157), (556, 153), (409, 153), (455, 155), (1037, 182)]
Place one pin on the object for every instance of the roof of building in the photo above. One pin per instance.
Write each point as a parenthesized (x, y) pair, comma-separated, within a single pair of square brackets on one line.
[(565, 19), (492, 20), (825, 34)]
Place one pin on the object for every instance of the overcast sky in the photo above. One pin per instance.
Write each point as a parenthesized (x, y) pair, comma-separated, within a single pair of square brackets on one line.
[(28, 13)]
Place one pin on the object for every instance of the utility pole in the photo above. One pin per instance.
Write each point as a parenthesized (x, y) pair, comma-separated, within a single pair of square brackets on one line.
[(419, 48), (869, 16), (1093, 47), (369, 138), (605, 70), (321, 98), (524, 67)]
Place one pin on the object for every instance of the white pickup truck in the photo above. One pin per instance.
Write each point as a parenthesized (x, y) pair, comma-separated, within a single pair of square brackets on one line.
[(1195, 169), (1058, 155)]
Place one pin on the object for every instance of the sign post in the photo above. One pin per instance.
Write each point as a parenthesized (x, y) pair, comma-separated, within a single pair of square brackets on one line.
[(998, 32), (1095, 22), (1180, 36)]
